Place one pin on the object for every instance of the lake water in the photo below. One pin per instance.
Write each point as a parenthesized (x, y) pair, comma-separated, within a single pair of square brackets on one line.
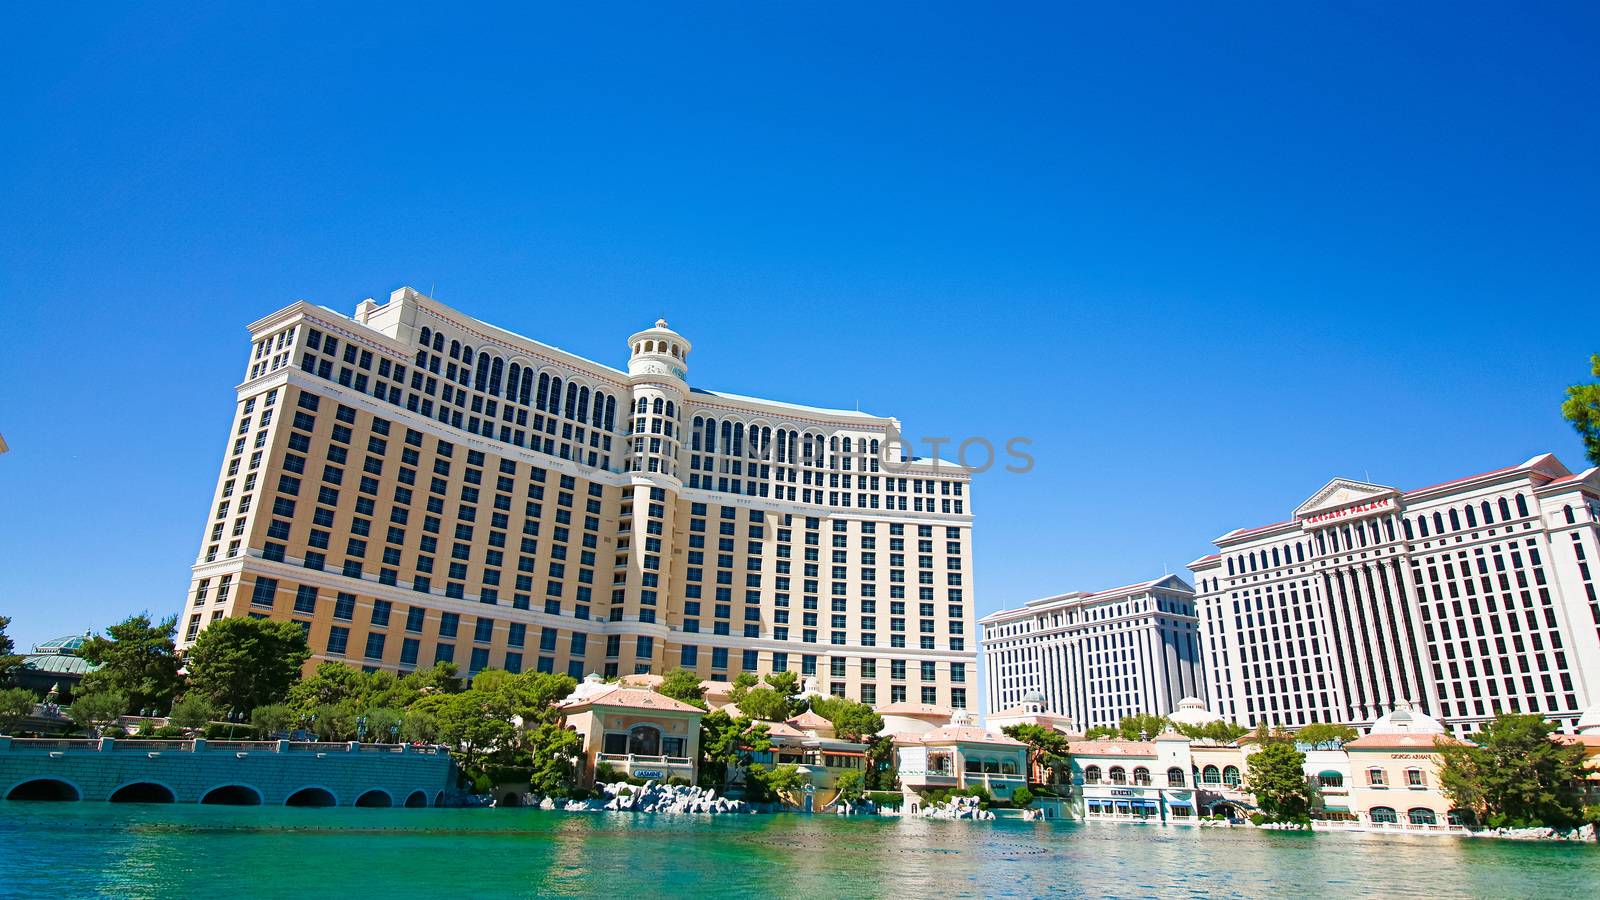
[(99, 849)]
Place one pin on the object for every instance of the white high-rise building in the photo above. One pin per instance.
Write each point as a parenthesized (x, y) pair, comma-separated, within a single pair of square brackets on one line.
[(1464, 599), (1097, 657)]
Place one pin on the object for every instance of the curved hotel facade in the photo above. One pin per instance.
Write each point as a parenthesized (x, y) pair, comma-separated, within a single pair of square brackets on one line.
[(414, 485), (1461, 599)]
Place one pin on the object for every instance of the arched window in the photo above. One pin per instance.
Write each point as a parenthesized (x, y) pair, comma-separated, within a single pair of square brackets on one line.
[(1488, 514), (1276, 561), (1300, 551), (1230, 776), (1212, 775), (455, 349), (1455, 520), (672, 410), (1522, 505), (1382, 815), (438, 342), (572, 400), (1230, 565), (1438, 523), (1091, 775), (427, 336), (583, 405), (644, 740), (611, 413), (525, 394), (1141, 775), (466, 355), (1571, 519), (513, 378), (1472, 516), (1119, 775), (694, 433), (555, 396), (656, 406), (481, 379), (1505, 509), (1008, 767), (542, 399), (1406, 524), (1174, 777)]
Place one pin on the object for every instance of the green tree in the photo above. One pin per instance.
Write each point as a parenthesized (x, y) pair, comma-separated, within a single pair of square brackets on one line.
[(1582, 409), (474, 723), (775, 784), (1516, 776), (881, 770), (1142, 726), (1047, 748), (419, 726), (93, 712), (765, 704), (383, 724), (683, 685), (1220, 732), (554, 750), (853, 721), (10, 660), (1326, 733), (1277, 779), (1096, 732), (785, 683), (243, 663), (851, 785), (138, 658), (726, 745), (330, 683), (1021, 797), (274, 717), (742, 683), (192, 710), (16, 704)]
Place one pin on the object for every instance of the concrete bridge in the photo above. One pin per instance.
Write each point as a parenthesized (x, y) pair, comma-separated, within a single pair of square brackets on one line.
[(250, 773)]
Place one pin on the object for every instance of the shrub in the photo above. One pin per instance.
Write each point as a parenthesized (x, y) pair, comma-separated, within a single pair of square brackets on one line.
[(1021, 797), (1257, 818), (886, 799)]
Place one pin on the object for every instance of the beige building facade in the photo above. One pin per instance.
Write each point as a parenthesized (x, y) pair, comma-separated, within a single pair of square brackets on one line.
[(414, 485), (1462, 599)]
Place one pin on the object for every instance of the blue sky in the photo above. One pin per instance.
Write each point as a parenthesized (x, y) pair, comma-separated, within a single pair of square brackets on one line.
[(1204, 256)]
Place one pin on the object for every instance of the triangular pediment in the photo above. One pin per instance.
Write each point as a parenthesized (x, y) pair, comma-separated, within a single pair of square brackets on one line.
[(1342, 492)]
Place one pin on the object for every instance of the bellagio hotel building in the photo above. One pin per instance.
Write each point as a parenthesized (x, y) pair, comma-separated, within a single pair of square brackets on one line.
[(413, 485)]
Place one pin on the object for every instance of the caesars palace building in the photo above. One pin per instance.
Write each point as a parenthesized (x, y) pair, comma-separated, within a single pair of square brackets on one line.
[(1463, 599), (412, 485)]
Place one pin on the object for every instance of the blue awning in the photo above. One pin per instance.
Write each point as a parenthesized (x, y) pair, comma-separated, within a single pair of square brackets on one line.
[(1147, 804), (1177, 803)]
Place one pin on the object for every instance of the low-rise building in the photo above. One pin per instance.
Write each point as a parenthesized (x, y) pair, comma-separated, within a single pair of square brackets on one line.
[(1395, 774), (961, 755), (635, 731)]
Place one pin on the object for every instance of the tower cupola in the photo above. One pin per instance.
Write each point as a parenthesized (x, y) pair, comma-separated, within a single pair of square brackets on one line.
[(659, 351)]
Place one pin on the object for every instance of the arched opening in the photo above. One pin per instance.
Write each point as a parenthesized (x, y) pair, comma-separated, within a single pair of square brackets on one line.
[(644, 740), (233, 795), (144, 792), (438, 798), (1175, 777), (1422, 815), (1382, 815), (375, 798), (1230, 776), (417, 800), (52, 789), (311, 796)]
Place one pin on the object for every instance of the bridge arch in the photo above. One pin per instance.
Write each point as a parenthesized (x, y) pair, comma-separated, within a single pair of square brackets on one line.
[(312, 795), (377, 797), (44, 788), (143, 792), (232, 795), (417, 799)]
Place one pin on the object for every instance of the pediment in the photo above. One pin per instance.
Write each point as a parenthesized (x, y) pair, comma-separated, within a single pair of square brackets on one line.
[(1342, 492)]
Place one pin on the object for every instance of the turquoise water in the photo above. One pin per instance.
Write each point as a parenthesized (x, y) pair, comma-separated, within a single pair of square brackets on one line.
[(98, 849)]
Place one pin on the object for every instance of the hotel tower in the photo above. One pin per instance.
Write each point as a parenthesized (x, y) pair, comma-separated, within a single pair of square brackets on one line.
[(1463, 600), (413, 485)]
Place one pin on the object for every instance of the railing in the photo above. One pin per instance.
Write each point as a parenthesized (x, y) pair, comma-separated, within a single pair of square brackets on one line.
[(136, 745), (260, 746), (55, 744), (644, 760)]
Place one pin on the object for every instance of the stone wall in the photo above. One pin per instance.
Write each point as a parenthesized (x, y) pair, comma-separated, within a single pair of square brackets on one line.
[(270, 772)]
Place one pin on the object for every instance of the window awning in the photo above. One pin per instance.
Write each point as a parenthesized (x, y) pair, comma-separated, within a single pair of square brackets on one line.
[(1177, 803)]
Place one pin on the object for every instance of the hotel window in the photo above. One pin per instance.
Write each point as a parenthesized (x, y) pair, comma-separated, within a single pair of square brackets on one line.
[(375, 646), (338, 640), (1414, 778), (1375, 778), (930, 695)]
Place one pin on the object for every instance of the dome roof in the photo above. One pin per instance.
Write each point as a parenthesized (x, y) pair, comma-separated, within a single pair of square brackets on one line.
[(69, 644), (1589, 722), (1192, 711), (1033, 697), (1405, 720)]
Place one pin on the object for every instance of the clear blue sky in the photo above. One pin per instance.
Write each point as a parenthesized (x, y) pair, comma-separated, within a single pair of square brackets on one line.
[(1205, 256)]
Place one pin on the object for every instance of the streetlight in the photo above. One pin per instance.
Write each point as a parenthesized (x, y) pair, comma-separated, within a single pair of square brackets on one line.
[(361, 728)]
